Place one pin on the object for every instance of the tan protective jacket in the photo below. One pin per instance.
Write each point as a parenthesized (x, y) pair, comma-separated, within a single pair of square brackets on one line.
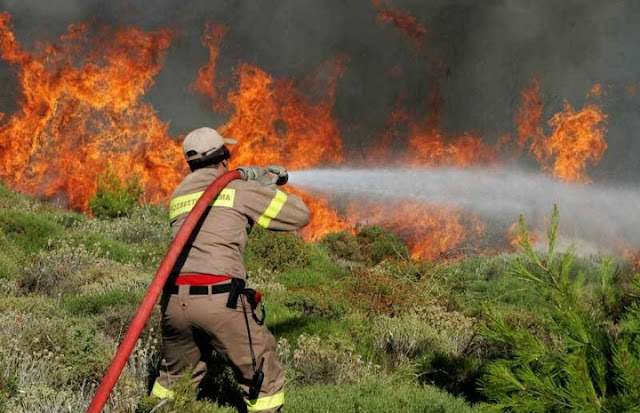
[(220, 241)]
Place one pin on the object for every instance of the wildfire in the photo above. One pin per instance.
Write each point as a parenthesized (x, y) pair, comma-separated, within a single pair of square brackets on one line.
[(577, 137), (433, 232), (81, 103), (515, 237), (402, 21), (205, 83), (81, 108), (275, 123)]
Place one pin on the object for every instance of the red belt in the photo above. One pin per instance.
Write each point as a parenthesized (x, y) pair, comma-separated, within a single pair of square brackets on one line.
[(201, 279)]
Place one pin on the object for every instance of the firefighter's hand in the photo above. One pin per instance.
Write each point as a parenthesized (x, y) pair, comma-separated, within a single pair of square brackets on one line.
[(254, 173), (281, 176)]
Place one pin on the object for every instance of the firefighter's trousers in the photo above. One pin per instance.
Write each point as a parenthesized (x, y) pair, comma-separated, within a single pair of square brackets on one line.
[(193, 323)]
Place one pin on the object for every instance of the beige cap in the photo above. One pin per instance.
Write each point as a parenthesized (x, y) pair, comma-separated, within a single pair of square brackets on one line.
[(202, 142)]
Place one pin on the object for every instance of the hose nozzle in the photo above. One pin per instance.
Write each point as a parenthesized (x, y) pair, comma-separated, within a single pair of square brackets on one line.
[(281, 174)]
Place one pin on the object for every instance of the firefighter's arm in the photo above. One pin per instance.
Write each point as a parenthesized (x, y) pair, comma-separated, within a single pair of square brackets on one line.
[(274, 209)]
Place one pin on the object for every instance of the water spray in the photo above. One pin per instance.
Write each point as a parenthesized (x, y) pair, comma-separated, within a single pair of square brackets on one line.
[(594, 213)]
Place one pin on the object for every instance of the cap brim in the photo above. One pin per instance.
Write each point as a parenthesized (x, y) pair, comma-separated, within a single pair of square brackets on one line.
[(230, 141)]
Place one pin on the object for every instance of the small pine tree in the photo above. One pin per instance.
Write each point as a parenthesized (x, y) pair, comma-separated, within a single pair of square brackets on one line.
[(591, 365), (115, 198)]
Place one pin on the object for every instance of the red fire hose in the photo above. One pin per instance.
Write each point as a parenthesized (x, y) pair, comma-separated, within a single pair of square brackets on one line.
[(155, 289)]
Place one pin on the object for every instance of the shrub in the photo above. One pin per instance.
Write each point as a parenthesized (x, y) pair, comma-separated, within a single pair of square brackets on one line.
[(29, 231), (343, 245), (316, 306), (115, 198), (275, 251), (11, 258), (96, 304), (424, 331), (330, 360), (594, 364), (378, 243), (373, 396), (53, 269)]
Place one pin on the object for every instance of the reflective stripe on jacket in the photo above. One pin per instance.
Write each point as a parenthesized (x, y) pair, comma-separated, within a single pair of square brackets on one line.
[(220, 241)]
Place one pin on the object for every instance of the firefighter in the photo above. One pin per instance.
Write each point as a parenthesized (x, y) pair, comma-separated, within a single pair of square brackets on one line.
[(206, 304)]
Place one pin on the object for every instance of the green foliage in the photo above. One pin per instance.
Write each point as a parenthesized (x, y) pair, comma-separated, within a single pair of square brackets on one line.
[(275, 251), (97, 304), (343, 245), (378, 244), (317, 305), (372, 395), (588, 366), (11, 258), (30, 232), (115, 198)]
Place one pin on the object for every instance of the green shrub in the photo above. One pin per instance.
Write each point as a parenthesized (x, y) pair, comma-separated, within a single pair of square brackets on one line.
[(97, 304), (378, 244), (51, 270), (275, 251), (312, 305), (115, 198), (592, 365), (12, 258), (372, 396), (422, 331), (29, 231), (343, 245), (458, 374), (329, 360)]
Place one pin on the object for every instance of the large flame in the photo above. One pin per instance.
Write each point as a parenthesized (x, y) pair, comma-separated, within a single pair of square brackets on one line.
[(576, 140), (81, 109), (432, 232)]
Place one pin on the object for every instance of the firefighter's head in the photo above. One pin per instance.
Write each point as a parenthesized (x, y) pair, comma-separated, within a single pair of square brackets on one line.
[(205, 147)]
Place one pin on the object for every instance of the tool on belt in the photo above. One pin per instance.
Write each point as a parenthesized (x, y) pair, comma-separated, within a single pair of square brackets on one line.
[(238, 290)]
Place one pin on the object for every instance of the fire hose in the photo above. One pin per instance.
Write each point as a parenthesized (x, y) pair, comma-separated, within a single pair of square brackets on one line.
[(155, 289)]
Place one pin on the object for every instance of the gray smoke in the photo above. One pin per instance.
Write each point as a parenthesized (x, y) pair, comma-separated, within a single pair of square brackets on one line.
[(598, 215), (479, 54)]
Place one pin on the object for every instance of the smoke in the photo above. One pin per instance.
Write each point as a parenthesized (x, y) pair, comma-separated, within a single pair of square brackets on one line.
[(478, 54), (596, 215)]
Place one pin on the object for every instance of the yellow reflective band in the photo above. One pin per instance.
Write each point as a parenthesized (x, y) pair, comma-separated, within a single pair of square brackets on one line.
[(273, 209), (265, 403), (161, 392), (185, 203)]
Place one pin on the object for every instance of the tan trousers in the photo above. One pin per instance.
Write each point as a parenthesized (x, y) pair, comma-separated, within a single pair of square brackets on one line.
[(192, 323)]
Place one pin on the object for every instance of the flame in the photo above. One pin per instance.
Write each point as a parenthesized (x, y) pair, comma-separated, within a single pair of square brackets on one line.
[(81, 107), (596, 91), (205, 83), (516, 238), (577, 137), (432, 232), (324, 218), (633, 256), (82, 103), (402, 21), (529, 116), (275, 123), (577, 140)]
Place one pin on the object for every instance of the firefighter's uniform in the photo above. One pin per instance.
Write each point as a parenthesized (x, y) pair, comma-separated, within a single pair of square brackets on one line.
[(194, 323)]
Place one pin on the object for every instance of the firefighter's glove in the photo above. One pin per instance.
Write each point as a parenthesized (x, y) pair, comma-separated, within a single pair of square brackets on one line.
[(254, 173), (281, 176)]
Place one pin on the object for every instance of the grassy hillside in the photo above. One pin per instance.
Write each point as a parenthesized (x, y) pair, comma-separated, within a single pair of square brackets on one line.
[(360, 326)]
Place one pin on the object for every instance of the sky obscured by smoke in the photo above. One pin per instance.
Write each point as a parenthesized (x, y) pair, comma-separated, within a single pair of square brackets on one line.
[(478, 53)]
